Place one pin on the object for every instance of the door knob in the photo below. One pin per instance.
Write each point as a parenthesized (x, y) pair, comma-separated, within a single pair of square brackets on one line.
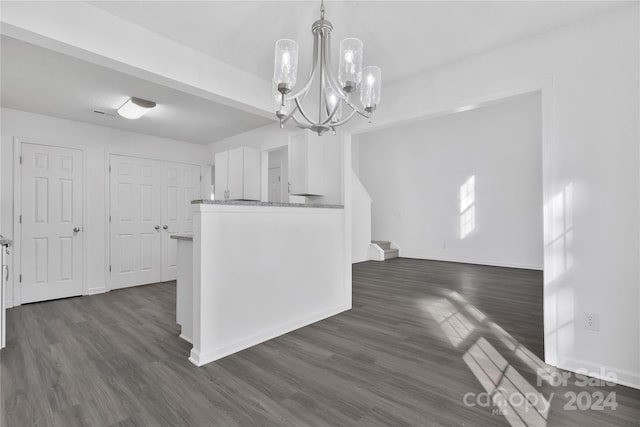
[(157, 227), (76, 229), (164, 227)]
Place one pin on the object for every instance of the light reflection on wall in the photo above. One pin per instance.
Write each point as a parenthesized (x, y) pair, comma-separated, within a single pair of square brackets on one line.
[(559, 309), (467, 198), (558, 234)]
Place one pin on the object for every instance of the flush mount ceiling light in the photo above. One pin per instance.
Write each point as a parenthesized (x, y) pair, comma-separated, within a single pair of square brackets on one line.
[(135, 108), (333, 93)]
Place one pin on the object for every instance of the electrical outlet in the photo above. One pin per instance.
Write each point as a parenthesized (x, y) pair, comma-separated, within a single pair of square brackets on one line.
[(592, 321)]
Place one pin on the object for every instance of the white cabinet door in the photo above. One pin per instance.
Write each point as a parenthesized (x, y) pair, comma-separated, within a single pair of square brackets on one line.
[(235, 177), (220, 180), (135, 221), (181, 183), (237, 174), (51, 251)]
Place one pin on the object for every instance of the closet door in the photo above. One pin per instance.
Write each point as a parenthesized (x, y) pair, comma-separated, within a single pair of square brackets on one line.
[(180, 185), (135, 187)]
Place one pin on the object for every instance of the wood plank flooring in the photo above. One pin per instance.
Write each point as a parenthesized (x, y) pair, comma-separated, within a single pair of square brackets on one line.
[(423, 338)]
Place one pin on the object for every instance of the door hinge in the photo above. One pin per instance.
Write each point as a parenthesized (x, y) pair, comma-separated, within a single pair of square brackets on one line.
[(109, 218), (109, 269), (20, 219), (200, 177), (109, 168), (20, 278), (20, 159)]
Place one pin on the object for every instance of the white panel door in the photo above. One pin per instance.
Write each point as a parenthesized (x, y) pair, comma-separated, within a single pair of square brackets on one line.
[(275, 184), (180, 185), (135, 187), (51, 249)]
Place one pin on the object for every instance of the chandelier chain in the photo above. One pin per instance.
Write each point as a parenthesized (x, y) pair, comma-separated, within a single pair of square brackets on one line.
[(322, 10)]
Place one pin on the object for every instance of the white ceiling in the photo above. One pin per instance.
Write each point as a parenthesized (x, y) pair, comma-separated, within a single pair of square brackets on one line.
[(402, 37), (46, 82)]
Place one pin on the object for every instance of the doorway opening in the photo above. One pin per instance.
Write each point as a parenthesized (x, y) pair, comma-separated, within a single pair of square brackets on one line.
[(278, 176)]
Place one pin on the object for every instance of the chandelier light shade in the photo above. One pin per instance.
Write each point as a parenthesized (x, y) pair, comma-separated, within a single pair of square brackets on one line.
[(335, 94), (370, 90), (285, 69)]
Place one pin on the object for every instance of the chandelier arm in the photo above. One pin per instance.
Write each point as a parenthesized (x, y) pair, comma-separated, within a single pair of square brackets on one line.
[(290, 115), (312, 74), (302, 125), (303, 114), (357, 110), (330, 115), (345, 120)]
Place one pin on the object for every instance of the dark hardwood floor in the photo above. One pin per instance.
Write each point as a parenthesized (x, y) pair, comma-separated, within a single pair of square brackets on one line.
[(424, 345)]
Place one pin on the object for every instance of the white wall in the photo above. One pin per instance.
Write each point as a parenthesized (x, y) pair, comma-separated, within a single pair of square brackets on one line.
[(97, 140), (269, 137), (361, 220), (414, 174), (589, 75), (262, 271)]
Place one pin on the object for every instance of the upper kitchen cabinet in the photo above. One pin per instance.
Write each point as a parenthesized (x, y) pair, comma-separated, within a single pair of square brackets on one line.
[(306, 164), (237, 174)]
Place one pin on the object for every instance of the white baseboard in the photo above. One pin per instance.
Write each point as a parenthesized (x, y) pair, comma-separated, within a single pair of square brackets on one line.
[(478, 262), (202, 358), (95, 291), (186, 338), (625, 378)]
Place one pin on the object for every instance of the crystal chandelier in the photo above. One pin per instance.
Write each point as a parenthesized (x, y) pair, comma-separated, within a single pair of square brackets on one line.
[(335, 105)]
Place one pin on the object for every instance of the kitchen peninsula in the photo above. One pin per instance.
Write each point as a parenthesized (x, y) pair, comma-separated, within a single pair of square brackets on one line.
[(260, 270)]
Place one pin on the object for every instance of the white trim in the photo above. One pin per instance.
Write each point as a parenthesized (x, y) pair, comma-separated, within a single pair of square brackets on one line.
[(17, 211), (17, 235), (345, 139), (478, 262), (202, 358), (453, 107), (107, 229), (625, 378)]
